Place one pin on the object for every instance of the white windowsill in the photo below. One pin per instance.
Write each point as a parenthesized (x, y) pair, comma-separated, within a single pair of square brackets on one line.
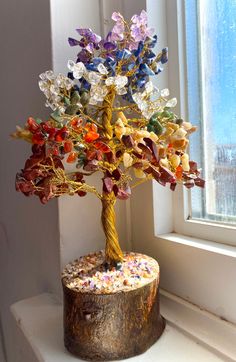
[(191, 335), (207, 245)]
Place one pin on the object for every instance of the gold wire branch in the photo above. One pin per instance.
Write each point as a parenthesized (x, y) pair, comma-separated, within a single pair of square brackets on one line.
[(116, 109), (141, 181), (61, 178), (137, 120), (92, 120)]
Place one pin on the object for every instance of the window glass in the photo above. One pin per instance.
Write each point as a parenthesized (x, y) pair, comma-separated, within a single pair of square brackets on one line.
[(211, 74)]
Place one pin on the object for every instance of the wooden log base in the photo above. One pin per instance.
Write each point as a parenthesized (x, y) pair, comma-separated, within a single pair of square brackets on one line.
[(111, 314)]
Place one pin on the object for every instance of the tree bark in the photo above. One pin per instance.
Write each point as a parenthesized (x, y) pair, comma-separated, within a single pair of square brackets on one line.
[(105, 327), (113, 252)]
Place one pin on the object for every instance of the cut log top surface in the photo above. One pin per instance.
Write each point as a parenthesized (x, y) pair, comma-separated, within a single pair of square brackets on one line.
[(88, 274)]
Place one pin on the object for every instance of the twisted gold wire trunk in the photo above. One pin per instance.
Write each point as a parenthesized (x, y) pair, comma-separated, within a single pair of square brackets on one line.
[(107, 114), (113, 252)]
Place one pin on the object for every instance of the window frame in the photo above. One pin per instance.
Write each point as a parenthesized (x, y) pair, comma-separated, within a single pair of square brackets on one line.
[(181, 201), (197, 270)]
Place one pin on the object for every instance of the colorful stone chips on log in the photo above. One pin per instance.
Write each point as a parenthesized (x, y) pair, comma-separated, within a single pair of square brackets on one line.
[(90, 274)]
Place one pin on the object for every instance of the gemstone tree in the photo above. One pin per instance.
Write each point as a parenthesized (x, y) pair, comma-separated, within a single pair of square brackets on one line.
[(107, 117)]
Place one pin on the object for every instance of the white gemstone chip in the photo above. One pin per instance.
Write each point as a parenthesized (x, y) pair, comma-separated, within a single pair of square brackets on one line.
[(171, 103), (70, 65), (165, 92), (121, 81), (102, 69)]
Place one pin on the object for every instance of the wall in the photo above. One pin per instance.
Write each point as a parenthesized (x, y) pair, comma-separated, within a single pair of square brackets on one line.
[(29, 253)]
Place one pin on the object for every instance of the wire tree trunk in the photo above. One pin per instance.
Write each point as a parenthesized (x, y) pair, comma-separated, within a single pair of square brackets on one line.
[(113, 252), (107, 114)]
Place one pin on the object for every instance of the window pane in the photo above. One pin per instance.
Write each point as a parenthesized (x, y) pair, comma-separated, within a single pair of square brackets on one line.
[(211, 73)]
